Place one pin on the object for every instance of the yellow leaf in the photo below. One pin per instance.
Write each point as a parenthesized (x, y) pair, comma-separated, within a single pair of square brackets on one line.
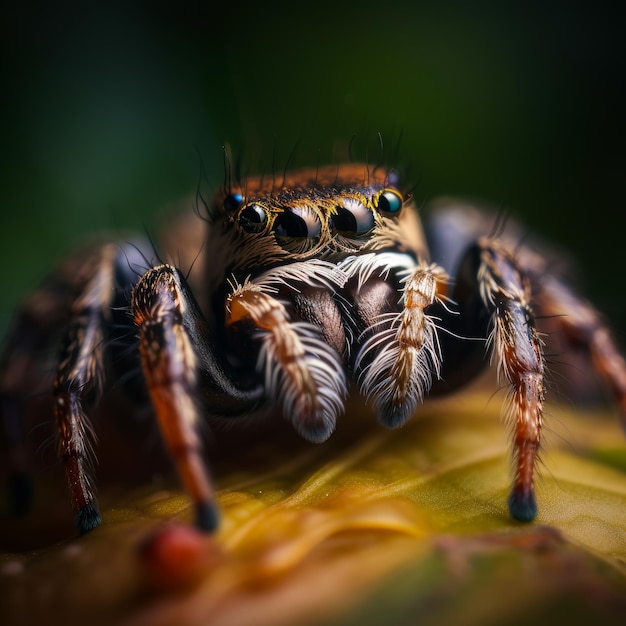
[(374, 526)]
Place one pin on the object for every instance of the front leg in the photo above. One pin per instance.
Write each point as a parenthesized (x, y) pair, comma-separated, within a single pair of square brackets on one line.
[(399, 352), (505, 291), (184, 373), (303, 373)]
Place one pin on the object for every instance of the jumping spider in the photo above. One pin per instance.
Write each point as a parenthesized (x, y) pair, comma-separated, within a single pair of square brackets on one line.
[(306, 284)]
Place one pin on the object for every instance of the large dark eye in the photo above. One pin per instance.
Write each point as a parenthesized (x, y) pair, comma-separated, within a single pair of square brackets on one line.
[(298, 223), (253, 218), (352, 218), (232, 202), (390, 202)]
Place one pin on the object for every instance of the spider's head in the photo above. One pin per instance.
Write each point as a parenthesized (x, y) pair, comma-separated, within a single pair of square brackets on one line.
[(313, 212)]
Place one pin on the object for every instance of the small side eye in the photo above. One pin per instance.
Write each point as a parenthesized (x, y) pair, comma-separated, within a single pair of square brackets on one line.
[(232, 202), (390, 202), (253, 218)]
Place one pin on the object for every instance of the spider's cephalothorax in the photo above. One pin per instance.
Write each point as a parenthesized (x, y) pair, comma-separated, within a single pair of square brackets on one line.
[(304, 284)]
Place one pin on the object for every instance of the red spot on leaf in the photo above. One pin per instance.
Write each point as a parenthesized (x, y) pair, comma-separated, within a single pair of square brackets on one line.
[(176, 556)]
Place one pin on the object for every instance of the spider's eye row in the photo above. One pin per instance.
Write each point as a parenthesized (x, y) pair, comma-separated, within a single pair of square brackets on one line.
[(299, 223), (352, 218), (253, 218), (390, 202), (232, 202)]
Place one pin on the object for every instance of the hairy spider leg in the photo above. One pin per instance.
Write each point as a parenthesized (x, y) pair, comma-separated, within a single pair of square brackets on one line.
[(399, 350), (170, 369), (516, 346), (78, 384), (27, 374), (303, 373), (184, 377)]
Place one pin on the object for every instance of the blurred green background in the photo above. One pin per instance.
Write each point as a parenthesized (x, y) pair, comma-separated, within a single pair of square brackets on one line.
[(106, 109)]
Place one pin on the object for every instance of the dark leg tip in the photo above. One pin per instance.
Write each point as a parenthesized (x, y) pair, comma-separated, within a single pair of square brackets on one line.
[(314, 428), (21, 493), (522, 505), (88, 518), (395, 415), (207, 517)]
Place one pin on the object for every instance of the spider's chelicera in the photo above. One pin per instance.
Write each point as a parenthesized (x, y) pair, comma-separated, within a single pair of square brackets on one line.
[(304, 285)]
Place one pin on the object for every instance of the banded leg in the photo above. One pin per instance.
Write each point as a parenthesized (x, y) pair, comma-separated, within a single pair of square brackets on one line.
[(516, 346), (302, 372), (78, 385), (401, 354), (184, 376)]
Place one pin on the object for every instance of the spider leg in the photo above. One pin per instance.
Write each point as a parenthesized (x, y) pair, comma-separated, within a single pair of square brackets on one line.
[(184, 373), (78, 384), (303, 372), (506, 292), (451, 228), (399, 351)]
